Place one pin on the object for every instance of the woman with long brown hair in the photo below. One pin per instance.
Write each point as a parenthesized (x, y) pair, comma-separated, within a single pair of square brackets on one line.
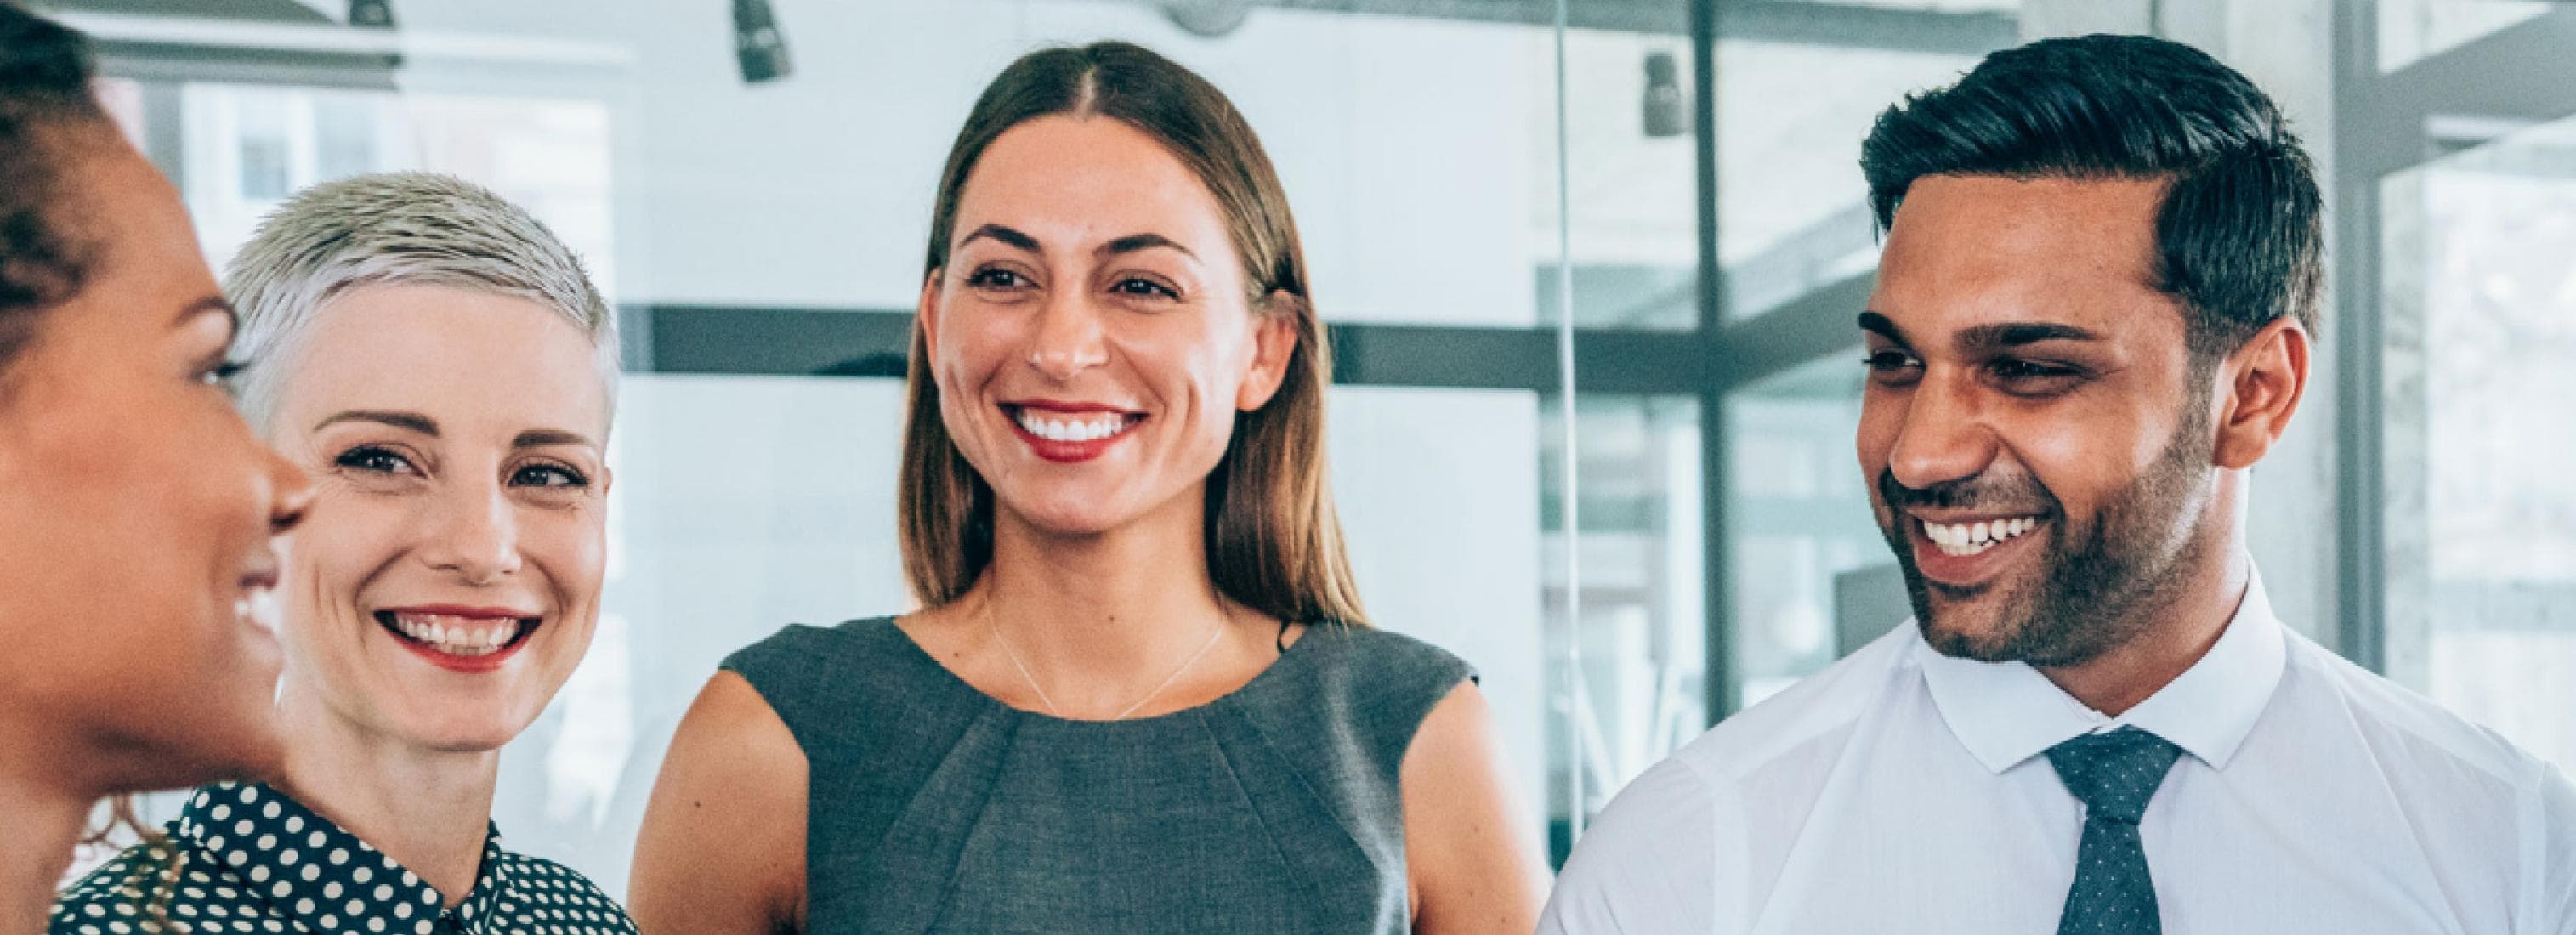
[(136, 509), (1140, 694)]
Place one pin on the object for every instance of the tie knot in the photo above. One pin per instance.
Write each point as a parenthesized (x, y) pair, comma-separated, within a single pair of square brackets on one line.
[(2115, 773)]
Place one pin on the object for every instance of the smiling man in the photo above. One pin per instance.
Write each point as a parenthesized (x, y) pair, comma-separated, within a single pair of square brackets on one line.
[(2093, 317)]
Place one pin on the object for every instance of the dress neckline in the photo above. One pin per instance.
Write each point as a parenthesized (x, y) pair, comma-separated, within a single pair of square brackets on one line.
[(1267, 674)]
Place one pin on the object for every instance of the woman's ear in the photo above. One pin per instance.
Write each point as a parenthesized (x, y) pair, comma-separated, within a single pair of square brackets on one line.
[(1274, 343), (926, 316)]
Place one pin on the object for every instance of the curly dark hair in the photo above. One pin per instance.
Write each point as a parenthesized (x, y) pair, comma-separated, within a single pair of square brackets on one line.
[(2240, 235), (45, 71)]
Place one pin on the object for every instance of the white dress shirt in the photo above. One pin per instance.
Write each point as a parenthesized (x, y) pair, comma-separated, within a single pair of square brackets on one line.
[(1902, 790)]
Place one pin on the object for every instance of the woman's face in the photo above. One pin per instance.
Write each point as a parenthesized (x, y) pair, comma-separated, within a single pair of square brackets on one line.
[(1090, 336), (135, 560), (449, 580)]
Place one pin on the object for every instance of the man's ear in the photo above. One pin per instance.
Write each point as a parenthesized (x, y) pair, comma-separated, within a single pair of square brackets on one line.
[(2263, 382), (1274, 343)]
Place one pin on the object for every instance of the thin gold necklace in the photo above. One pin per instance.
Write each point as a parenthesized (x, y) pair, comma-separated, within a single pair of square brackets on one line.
[(993, 622)]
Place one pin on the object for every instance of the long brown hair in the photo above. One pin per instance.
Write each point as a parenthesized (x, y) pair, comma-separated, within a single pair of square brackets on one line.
[(1273, 541)]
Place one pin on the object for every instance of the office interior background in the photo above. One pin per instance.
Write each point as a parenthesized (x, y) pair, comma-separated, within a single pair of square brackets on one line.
[(1591, 266)]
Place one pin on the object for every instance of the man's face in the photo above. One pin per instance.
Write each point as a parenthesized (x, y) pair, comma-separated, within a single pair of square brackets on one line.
[(2037, 438)]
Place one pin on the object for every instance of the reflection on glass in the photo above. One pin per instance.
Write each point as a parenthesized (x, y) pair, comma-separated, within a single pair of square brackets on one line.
[(1644, 644), (1809, 578), (2412, 30), (2480, 521)]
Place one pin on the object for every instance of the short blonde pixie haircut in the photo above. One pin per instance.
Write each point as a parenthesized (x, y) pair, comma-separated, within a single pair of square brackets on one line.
[(415, 228)]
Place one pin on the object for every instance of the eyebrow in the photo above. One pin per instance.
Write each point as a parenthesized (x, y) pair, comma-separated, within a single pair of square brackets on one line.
[(1985, 338), (1123, 245), (1005, 235), (2016, 334), (1134, 242), (539, 438), (1878, 324), (401, 420)]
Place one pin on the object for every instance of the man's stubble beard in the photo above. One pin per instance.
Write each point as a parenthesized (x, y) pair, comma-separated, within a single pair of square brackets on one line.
[(2130, 559)]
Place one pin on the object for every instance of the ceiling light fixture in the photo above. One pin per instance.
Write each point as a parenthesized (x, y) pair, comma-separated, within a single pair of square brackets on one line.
[(757, 42), (1667, 112), (371, 14)]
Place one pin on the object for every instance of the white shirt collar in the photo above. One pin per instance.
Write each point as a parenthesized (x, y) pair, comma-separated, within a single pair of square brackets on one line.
[(2007, 712)]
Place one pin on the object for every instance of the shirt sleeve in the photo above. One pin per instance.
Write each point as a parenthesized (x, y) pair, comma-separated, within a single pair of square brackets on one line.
[(1646, 866), (2551, 874)]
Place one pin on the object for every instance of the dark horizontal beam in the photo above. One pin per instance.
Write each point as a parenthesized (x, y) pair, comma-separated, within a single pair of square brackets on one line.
[(176, 62), (750, 341), (1815, 325), (285, 12)]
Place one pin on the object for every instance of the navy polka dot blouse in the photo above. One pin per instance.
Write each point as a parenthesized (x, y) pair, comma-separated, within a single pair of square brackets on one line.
[(245, 858)]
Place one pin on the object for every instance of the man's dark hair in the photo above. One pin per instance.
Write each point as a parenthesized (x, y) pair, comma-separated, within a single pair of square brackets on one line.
[(2240, 234), (45, 72)]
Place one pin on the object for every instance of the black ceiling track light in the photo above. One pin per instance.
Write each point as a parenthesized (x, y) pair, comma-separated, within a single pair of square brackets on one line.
[(757, 42), (371, 14)]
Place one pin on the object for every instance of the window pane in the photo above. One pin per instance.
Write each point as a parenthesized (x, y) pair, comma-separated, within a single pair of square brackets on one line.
[(1640, 691), (1793, 211), (2480, 521), (1633, 179), (2412, 30), (1809, 577)]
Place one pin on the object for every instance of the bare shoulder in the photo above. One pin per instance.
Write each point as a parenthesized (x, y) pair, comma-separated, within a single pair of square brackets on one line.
[(722, 848), (1469, 848)]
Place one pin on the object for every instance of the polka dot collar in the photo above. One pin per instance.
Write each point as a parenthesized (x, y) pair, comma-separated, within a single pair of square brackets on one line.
[(312, 871)]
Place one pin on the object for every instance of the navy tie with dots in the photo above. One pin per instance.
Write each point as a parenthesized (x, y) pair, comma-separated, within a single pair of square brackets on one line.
[(2113, 774)]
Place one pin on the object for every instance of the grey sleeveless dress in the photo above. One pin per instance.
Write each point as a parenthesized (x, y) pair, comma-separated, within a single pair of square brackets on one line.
[(931, 807)]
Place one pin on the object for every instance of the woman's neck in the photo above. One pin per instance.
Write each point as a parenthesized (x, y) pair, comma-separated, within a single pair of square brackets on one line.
[(40, 821), (429, 810), (1098, 618)]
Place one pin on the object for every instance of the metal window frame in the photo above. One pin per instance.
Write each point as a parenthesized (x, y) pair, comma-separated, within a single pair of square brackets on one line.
[(2386, 124)]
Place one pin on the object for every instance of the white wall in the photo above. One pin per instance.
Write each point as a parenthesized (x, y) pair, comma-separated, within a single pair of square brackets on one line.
[(1402, 142)]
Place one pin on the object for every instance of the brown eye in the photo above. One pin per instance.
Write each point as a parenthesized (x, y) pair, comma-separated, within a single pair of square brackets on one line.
[(548, 475), (2032, 378), (1144, 288), (1892, 367), (996, 278), (373, 460)]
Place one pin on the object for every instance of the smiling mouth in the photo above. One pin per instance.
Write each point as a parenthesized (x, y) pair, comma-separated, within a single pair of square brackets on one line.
[(1071, 427), (257, 608), (1965, 539), (454, 635)]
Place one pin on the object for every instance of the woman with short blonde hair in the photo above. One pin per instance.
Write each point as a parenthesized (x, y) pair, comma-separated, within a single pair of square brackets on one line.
[(442, 366)]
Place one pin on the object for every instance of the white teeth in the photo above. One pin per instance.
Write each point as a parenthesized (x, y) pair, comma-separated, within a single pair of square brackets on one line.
[(1073, 430), (458, 636), (260, 608), (1973, 538)]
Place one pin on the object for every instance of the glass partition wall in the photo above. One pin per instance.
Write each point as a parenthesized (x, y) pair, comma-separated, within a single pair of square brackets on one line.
[(1471, 182), (1590, 266)]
